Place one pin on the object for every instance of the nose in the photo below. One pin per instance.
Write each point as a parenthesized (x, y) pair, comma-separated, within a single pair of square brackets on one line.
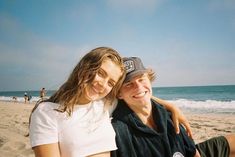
[(103, 83), (137, 84)]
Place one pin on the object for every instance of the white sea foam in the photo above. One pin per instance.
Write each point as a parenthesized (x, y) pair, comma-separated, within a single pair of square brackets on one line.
[(18, 99), (206, 106)]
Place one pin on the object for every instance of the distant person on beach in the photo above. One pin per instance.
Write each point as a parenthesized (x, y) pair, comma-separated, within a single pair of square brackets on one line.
[(75, 120), (144, 128), (14, 98), (29, 98), (25, 97), (42, 93)]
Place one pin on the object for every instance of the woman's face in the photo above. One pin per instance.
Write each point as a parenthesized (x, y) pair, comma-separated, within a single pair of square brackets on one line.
[(104, 81)]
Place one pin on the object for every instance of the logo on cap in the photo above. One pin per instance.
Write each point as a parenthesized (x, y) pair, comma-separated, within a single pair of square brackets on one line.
[(129, 66)]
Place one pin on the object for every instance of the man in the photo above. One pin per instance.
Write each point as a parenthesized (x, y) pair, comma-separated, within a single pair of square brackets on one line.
[(144, 128), (42, 93)]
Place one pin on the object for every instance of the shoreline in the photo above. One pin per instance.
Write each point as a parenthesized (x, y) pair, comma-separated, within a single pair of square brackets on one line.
[(14, 126)]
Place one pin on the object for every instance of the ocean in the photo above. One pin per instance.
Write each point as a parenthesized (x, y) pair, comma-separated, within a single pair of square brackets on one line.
[(200, 99)]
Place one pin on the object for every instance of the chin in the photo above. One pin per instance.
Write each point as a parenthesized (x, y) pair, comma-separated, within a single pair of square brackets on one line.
[(93, 98)]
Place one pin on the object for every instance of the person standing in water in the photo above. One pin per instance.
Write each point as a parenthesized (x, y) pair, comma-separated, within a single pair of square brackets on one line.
[(42, 93)]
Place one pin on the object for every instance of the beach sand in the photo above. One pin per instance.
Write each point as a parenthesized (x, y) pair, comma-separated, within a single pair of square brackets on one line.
[(14, 127), (205, 126)]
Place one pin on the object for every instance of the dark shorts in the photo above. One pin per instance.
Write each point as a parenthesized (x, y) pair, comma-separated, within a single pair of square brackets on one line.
[(214, 147)]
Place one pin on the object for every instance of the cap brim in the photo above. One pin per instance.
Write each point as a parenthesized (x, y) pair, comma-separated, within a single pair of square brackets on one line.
[(134, 74)]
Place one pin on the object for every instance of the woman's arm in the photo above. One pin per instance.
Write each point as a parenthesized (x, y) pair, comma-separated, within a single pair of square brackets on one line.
[(177, 116), (47, 150)]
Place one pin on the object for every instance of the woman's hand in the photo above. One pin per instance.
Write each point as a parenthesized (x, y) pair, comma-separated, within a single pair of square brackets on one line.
[(177, 116)]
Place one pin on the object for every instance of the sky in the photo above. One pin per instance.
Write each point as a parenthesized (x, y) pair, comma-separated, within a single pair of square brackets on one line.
[(187, 43)]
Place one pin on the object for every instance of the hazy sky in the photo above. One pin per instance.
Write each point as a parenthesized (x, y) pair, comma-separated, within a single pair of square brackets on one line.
[(186, 42)]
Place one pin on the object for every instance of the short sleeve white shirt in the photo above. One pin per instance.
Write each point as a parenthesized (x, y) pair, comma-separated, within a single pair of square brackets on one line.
[(88, 131)]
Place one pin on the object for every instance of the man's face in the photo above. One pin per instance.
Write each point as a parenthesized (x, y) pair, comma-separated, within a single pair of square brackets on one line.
[(137, 92)]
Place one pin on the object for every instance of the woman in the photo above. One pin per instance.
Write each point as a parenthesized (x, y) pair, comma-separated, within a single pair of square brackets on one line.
[(74, 122)]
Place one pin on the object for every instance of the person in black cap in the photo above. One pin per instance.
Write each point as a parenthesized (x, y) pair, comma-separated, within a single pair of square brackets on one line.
[(144, 127)]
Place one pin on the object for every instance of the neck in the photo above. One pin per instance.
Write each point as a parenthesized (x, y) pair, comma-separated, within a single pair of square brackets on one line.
[(82, 101), (145, 115), (143, 112)]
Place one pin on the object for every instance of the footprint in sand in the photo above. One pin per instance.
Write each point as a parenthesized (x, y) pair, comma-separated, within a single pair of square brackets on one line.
[(27, 152), (14, 145), (18, 149), (19, 145), (208, 125), (2, 141), (222, 130)]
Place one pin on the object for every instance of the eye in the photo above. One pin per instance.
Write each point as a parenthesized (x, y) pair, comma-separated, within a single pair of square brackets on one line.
[(111, 84), (142, 80), (101, 73), (127, 85)]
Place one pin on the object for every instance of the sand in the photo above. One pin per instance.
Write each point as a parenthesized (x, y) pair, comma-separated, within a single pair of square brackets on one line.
[(205, 126), (14, 126)]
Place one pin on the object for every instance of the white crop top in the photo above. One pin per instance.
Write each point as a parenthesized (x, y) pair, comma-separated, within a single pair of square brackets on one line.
[(88, 131)]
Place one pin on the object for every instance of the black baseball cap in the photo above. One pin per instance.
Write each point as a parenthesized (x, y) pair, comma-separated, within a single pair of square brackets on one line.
[(134, 67)]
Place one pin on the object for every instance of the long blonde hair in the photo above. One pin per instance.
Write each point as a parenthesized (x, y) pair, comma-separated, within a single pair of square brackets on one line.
[(84, 73)]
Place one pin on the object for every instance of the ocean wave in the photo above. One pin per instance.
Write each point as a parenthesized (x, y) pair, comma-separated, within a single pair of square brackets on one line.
[(18, 99), (207, 106)]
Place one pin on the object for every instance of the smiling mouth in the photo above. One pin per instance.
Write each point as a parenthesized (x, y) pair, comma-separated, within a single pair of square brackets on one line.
[(140, 95), (96, 91)]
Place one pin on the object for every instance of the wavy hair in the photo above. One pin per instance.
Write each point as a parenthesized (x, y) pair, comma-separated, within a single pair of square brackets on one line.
[(83, 74)]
